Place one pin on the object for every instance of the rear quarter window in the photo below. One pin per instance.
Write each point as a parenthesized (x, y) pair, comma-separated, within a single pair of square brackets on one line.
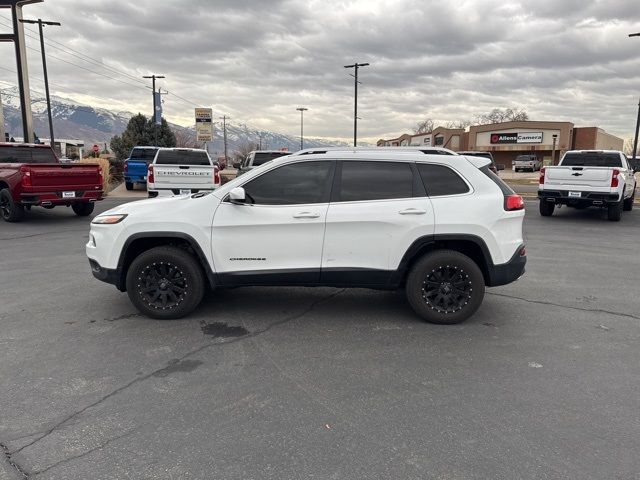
[(182, 157), (440, 180)]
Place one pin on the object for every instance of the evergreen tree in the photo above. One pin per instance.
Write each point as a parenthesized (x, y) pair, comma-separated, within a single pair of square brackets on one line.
[(141, 131)]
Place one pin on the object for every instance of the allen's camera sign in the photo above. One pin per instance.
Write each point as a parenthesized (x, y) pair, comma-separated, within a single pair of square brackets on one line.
[(516, 137)]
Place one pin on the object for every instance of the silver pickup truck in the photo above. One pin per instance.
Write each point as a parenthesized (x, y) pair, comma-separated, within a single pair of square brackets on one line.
[(182, 171)]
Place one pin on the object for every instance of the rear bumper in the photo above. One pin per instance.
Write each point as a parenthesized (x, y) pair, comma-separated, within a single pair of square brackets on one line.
[(135, 178), (561, 197), (106, 275), (508, 272), (56, 197)]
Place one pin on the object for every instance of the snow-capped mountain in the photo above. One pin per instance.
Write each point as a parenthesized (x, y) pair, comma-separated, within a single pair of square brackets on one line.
[(73, 120)]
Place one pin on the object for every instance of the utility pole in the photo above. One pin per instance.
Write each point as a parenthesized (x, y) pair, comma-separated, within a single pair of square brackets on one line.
[(2, 138), (224, 119), (17, 37), (355, 66), (301, 110), (155, 106), (635, 140), (41, 23), (553, 152)]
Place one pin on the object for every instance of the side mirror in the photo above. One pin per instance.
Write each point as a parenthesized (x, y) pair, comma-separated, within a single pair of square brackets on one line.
[(500, 166), (236, 165), (237, 195)]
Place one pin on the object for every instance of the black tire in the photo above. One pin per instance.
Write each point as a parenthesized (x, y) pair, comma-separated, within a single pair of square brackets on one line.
[(614, 211), (83, 209), (445, 287), (546, 208), (10, 210), (128, 185), (165, 283), (628, 203)]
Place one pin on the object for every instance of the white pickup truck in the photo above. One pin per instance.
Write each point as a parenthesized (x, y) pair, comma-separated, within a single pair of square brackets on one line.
[(586, 178), (182, 171)]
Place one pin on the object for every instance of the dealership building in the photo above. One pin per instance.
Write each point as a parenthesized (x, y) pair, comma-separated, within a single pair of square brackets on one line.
[(509, 139)]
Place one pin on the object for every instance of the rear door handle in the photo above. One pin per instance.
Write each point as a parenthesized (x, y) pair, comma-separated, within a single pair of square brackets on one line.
[(412, 211), (306, 215)]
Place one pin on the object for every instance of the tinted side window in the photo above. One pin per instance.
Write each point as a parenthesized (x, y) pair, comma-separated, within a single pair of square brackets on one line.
[(298, 183), (182, 157), (375, 181), (264, 157), (441, 180)]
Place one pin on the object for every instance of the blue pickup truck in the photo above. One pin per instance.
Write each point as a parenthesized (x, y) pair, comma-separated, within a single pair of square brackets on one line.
[(136, 166)]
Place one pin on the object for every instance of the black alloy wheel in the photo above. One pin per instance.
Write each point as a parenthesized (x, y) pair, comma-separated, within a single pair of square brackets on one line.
[(9, 209), (445, 287), (165, 282)]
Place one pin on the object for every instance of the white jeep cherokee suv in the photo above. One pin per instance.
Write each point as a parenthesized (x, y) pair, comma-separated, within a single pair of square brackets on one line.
[(441, 226)]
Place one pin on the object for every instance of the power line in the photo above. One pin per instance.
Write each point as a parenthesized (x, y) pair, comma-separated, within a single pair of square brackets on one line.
[(75, 53)]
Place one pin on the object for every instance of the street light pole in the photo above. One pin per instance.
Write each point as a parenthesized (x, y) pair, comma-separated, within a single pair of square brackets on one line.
[(355, 66), (302, 110), (553, 152), (224, 119), (153, 93)]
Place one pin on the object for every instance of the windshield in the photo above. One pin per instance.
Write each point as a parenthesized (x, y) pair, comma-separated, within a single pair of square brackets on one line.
[(592, 159), (183, 157), (27, 155), (264, 157), (143, 154)]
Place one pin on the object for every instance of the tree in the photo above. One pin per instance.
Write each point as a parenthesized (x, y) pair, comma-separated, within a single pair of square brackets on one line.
[(425, 126), (186, 138), (241, 152), (142, 131), (498, 115)]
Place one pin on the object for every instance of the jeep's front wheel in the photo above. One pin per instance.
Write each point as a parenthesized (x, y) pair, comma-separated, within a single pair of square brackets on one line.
[(165, 283), (445, 287)]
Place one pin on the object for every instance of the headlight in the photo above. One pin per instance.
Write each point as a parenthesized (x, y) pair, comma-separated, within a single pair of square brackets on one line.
[(109, 219)]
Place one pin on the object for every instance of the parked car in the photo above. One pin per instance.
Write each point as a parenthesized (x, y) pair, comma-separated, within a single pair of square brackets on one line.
[(182, 171), (137, 165), (584, 178), (527, 162), (442, 227), (257, 158), (31, 175), (493, 167)]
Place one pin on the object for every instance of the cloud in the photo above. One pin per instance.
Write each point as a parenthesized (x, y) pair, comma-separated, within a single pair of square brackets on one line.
[(256, 61)]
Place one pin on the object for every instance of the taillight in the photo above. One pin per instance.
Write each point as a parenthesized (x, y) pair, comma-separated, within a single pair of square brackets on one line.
[(150, 178), (26, 176), (541, 181), (126, 167), (216, 175), (614, 178), (513, 202)]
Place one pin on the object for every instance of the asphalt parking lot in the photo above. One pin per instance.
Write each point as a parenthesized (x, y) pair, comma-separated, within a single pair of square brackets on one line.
[(542, 383)]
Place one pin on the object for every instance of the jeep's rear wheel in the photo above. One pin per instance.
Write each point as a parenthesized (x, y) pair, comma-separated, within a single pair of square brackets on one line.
[(9, 209), (546, 208), (165, 283), (445, 287)]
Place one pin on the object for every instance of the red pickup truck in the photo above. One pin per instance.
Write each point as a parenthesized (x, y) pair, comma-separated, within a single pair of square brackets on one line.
[(31, 175)]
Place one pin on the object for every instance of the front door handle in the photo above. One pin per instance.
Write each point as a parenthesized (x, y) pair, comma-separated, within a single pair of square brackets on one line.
[(412, 211), (306, 215)]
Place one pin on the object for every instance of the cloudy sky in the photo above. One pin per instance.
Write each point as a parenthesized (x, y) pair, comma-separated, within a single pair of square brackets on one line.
[(257, 60)]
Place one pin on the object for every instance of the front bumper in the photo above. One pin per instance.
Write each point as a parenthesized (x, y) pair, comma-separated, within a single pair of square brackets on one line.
[(107, 275), (561, 197), (508, 272)]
